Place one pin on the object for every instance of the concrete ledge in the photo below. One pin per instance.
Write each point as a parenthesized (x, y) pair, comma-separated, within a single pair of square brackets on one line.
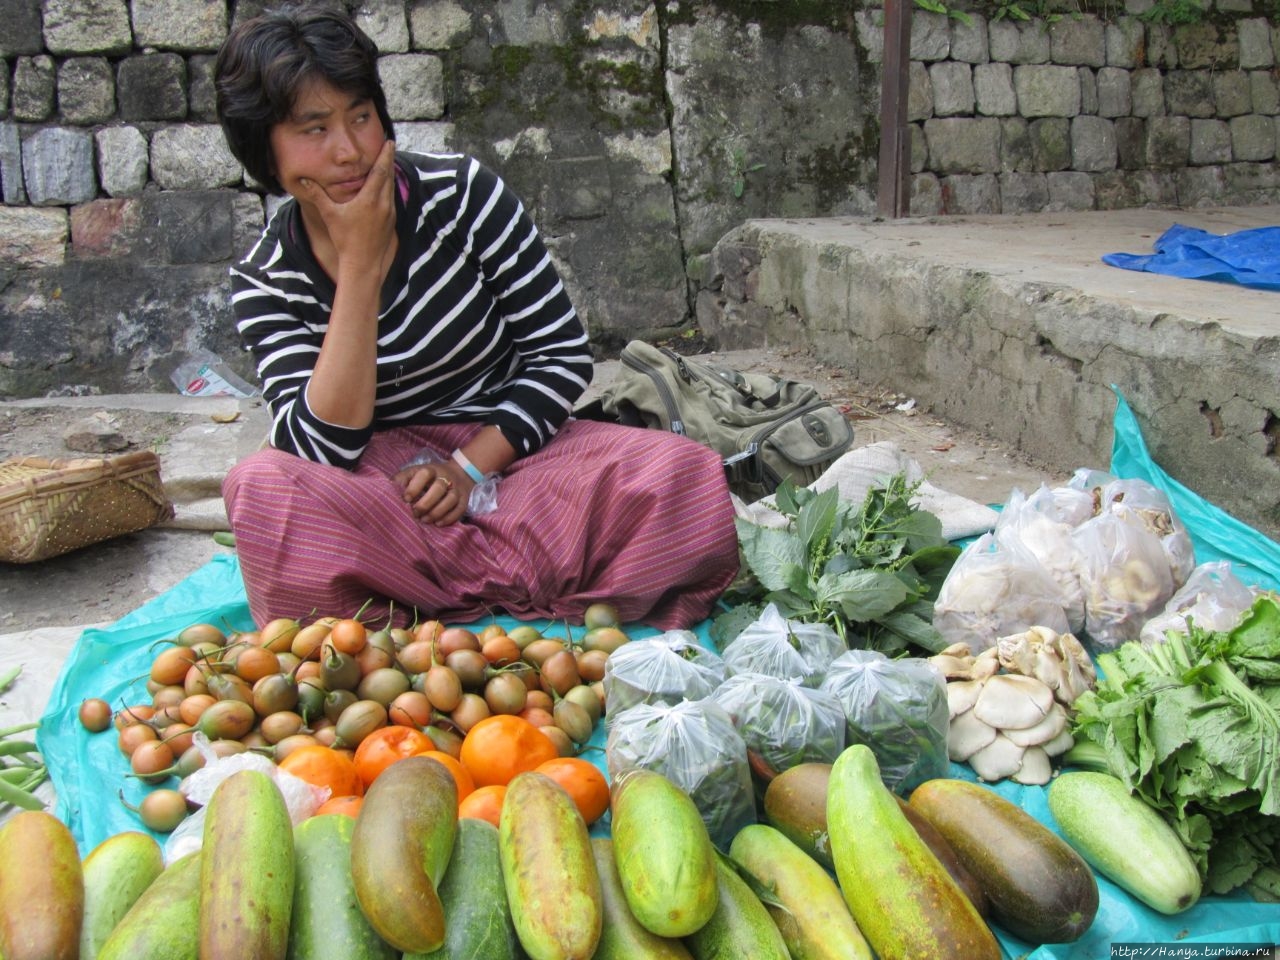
[(1015, 327)]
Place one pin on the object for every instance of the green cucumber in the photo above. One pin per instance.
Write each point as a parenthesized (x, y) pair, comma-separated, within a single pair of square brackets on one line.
[(116, 873), (904, 900), (811, 913), (163, 924), (740, 927), (665, 857), (1125, 840), (1037, 887), (326, 919), (477, 917), (621, 935), (246, 870)]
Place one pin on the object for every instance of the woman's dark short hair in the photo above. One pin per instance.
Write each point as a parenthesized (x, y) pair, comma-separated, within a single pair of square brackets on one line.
[(266, 61)]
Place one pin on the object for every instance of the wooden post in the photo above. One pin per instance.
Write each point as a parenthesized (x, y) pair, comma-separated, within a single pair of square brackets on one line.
[(895, 135)]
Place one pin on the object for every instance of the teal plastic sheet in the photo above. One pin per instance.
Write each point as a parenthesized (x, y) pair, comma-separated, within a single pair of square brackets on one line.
[(1236, 918), (1215, 534), (89, 773), (88, 770)]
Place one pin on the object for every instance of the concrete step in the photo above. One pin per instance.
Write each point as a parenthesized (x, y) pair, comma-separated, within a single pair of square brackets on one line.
[(1014, 327)]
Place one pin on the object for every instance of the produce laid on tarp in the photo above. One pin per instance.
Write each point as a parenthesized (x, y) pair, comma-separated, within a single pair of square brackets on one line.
[(862, 756)]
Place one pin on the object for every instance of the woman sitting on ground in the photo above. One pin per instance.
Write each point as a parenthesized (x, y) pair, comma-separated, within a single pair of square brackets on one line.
[(420, 360)]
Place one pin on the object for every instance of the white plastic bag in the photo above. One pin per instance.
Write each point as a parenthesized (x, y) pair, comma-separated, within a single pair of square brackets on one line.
[(668, 668), (898, 708), (996, 589), (301, 798), (777, 647), (1126, 576), (694, 745), (1145, 505), (1213, 598), (1042, 524), (783, 721)]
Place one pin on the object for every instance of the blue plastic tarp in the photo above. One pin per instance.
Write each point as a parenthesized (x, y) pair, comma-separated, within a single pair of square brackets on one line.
[(88, 770), (1250, 258)]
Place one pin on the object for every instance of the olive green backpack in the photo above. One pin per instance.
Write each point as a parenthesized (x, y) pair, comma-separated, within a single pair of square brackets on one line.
[(765, 428)]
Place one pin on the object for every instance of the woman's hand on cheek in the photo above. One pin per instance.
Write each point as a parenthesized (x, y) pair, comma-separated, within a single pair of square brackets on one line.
[(365, 226)]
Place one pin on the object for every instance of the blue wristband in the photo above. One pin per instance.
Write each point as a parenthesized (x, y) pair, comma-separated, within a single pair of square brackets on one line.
[(469, 468)]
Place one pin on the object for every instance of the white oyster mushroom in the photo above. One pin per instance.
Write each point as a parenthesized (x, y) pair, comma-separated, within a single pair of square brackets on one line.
[(1012, 702), (986, 664), (1054, 722), (1079, 673), (999, 759), (1059, 744), (960, 649), (1036, 770), (1133, 582), (962, 695), (966, 735), (953, 668)]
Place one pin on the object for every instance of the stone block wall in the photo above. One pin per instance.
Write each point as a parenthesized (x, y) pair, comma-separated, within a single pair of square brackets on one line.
[(1081, 113), (638, 132)]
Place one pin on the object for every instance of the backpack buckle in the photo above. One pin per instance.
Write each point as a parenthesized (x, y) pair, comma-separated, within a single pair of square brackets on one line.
[(744, 466)]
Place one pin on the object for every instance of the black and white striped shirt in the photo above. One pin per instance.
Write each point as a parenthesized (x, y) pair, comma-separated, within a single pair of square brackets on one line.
[(474, 324)]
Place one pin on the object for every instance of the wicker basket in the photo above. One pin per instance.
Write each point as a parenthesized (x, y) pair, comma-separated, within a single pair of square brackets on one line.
[(50, 507)]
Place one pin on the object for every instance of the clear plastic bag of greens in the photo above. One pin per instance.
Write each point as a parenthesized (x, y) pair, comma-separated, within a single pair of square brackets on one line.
[(777, 647), (898, 708), (783, 721), (668, 668), (694, 745)]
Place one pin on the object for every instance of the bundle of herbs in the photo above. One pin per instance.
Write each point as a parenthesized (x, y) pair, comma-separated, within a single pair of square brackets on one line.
[(870, 571), (1192, 725)]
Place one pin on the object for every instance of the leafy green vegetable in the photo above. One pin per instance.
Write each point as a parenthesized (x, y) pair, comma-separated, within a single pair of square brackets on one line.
[(870, 571), (1192, 726)]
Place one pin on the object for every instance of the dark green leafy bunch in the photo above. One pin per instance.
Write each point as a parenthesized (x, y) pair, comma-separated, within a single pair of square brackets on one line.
[(870, 571), (1192, 726)]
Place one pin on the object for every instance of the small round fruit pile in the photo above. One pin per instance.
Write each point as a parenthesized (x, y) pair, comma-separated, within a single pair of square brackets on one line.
[(334, 701)]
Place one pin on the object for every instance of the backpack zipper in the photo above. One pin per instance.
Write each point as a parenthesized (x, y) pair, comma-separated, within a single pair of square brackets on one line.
[(664, 392)]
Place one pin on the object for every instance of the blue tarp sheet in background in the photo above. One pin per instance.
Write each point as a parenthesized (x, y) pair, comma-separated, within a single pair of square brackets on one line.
[(1250, 258), (112, 663)]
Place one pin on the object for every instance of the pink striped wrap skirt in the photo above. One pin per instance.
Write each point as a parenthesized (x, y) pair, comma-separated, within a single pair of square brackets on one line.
[(639, 518)]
